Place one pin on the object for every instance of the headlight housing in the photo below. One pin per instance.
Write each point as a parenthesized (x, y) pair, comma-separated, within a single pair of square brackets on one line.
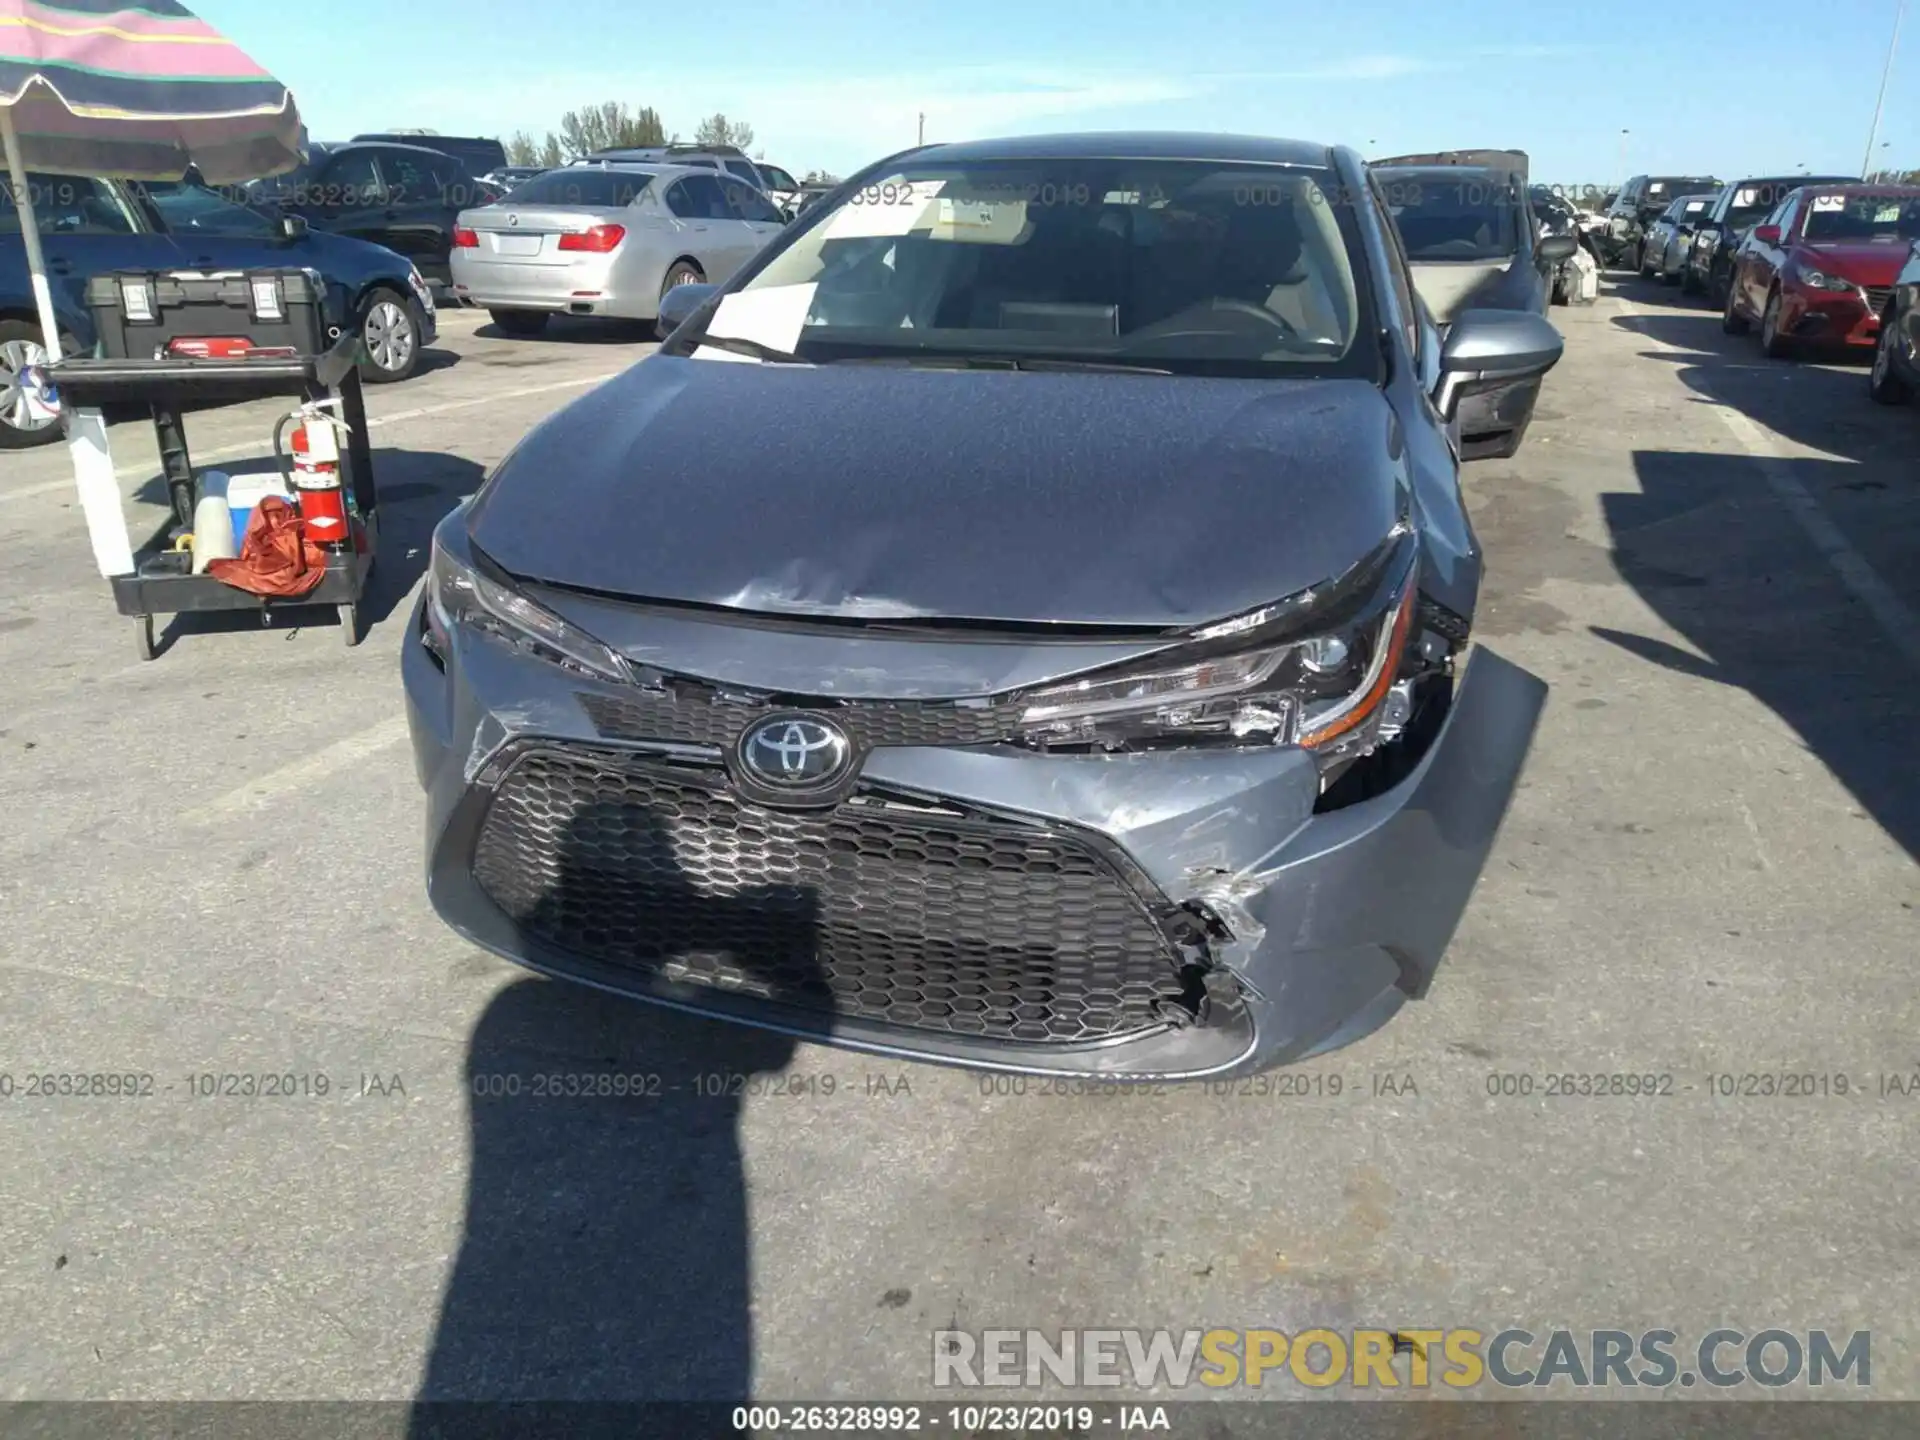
[(1820, 280), (1314, 672), (464, 590)]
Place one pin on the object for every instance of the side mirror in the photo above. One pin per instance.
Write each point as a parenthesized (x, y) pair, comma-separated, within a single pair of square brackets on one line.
[(1555, 249), (681, 301), (292, 227), (1767, 234), (1487, 348)]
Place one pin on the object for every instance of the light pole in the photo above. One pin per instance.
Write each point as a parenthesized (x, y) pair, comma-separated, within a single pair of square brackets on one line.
[(1623, 155), (923, 129), (1886, 71)]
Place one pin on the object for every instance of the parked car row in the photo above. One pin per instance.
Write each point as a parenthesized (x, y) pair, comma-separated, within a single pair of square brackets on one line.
[(1808, 262), (89, 227)]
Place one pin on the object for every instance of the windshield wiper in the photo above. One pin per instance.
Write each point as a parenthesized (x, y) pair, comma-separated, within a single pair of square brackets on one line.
[(1007, 362), (739, 346)]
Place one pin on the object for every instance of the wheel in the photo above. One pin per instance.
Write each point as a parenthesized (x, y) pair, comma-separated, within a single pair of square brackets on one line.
[(390, 337), (526, 323), (350, 623), (681, 272), (1639, 259), (143, 636), (1689, 282), (23, 425), (1773, 344), (1731, 320), (1885, 383)]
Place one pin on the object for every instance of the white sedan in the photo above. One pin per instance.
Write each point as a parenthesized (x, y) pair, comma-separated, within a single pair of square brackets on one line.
[(608, 241)]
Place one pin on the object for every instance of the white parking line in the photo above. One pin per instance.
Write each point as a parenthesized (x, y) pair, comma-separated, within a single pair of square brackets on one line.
[(1863, 582), (145, 470), (276, 784)]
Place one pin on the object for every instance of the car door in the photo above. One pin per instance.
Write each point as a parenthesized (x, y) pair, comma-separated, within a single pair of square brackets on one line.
[(418, 221), (1769, 257), (87, 227), (345, 197), (1758, 261), (756, 218), (699, 209)]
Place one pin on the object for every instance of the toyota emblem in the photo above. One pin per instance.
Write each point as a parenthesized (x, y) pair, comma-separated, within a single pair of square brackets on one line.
[(795, 752)]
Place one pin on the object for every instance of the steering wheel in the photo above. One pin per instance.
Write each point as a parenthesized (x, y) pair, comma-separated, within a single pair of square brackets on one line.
[(1188, 322)]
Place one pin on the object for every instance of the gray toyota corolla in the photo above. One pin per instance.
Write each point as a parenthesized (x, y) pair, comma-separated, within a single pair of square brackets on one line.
[(1021, 620)]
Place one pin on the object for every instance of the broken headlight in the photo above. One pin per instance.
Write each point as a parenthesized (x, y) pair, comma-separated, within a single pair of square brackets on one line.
[(463, 590), (1325, 686)]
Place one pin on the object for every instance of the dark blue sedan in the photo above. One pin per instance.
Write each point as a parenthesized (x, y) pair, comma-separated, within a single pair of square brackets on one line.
[(90, 227)]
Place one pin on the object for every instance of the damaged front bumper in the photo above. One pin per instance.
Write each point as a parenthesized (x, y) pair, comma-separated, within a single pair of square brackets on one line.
[(1176, 915)]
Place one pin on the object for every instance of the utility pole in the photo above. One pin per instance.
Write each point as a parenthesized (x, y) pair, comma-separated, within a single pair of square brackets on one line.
[(923, 127), (1886, 71)]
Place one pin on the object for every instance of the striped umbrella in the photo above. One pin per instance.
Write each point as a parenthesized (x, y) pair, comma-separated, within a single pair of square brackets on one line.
[(133, 88)]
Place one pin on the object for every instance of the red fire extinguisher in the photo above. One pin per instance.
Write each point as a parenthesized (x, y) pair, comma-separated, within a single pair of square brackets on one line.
[(310, 461)]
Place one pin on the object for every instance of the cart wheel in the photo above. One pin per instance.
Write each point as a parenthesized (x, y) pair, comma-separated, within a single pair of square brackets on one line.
[(143, 636), (350, 623)]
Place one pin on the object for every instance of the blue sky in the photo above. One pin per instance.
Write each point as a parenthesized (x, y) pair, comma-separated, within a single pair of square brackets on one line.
[(1757, 86)]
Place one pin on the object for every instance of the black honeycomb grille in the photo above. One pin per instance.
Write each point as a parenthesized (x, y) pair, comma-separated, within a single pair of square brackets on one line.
[(692, 718), (970, 927)]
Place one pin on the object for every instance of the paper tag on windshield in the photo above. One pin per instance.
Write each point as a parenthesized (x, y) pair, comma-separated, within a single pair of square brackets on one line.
[(890, 208), (770, 316), (1829, 202)]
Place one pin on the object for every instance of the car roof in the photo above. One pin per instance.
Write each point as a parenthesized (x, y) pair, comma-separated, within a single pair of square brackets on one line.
[(1859, 187), (387, 145), (1795, 181), (1129, 145)]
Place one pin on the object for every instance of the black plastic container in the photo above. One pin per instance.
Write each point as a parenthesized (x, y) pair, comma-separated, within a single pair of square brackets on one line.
[(271, 308)]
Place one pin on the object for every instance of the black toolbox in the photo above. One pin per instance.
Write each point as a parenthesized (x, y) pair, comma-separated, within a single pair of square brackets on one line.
[(139, 313)]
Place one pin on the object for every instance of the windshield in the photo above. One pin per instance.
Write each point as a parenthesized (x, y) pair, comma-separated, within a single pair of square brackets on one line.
[(604, 189), (1663, 190), (1453, 214), (1890, 217), (776, 177), (1194, 267), (194, 209)]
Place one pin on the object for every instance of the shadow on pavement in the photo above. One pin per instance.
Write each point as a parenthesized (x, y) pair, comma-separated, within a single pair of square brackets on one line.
[(1710, 546), (606, 1248), (1820, 401)]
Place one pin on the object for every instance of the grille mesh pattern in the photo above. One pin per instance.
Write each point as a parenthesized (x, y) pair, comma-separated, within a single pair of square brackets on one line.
[(971, 928), (691, 719)]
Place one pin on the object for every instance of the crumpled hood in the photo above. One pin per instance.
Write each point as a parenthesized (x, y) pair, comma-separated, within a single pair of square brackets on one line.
[(1861, 261), (880, 492)]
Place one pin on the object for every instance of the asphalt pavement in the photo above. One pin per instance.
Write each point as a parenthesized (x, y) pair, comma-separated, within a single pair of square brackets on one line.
[(210, 875)]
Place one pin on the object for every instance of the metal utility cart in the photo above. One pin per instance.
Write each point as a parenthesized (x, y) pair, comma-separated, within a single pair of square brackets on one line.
[(145, 373)]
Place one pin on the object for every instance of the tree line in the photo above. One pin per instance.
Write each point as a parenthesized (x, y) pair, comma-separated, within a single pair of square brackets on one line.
[(613, 125)]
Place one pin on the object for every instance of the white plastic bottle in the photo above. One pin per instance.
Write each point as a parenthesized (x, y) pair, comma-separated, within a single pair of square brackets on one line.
[(212, 523)]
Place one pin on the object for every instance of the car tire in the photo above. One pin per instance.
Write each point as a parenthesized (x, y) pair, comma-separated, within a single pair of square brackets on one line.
[(1885, 383), (1773, 344), (390, 332), (1731, 320), (523, 323), (1689, 282), (20, 346), (681, 272)]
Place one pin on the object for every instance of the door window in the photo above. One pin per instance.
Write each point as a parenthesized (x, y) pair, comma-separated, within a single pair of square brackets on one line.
[(698, 197), (68, 205), (746, 203), (349, 181), (410, 178)]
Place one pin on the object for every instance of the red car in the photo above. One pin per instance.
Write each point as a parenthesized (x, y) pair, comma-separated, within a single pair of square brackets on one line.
[(1819, 269)]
